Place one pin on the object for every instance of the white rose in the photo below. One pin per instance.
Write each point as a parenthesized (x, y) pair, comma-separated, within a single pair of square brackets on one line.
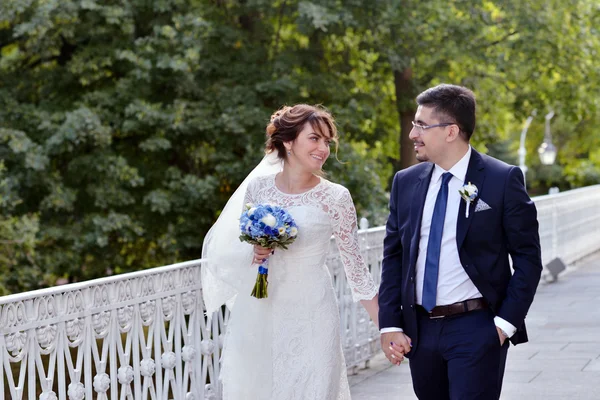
[(471, 189), (293, 231), (281, 230), (269, 220), (251, 211)]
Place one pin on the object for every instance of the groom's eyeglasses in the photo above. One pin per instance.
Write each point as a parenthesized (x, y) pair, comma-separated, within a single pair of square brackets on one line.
[(422, 128)]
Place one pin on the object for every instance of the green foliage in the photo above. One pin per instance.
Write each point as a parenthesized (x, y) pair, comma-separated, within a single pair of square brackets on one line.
[(17, 241), (125, 126)]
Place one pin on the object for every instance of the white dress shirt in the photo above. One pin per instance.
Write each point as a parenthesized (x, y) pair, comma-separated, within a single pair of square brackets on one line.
[(454, 285)]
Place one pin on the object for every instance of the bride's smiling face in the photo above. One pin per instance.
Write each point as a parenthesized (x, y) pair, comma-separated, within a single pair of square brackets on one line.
[(311, 147)]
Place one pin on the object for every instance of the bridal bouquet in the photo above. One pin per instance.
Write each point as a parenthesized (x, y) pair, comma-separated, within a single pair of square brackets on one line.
[(268, 226)]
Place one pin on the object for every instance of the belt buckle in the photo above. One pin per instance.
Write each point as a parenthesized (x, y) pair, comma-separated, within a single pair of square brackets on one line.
[(435, 317)]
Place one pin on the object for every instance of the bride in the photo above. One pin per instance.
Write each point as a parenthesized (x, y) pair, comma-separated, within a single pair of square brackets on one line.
[(287, 346)]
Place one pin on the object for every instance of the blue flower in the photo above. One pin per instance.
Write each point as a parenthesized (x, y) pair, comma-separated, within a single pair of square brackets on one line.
[(265, 221)]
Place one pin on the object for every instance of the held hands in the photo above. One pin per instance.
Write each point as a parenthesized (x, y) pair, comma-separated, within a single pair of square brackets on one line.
[(395, 345), (261, 254)]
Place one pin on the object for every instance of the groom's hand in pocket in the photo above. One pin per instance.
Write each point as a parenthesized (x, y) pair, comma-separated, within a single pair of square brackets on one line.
[(395, 345)]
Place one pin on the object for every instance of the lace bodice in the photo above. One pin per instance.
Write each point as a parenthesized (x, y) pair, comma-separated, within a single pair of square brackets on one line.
[(324, 210)]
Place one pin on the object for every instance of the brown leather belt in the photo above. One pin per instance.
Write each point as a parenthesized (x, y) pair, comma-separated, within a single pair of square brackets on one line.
[(456, 308)]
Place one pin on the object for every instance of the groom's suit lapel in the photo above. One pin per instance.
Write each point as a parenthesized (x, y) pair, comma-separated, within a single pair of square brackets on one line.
[(475, 175), (416, 211)]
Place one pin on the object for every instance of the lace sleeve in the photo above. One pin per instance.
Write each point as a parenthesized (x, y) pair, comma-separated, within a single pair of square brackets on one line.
[(343, 218), (249, 196)]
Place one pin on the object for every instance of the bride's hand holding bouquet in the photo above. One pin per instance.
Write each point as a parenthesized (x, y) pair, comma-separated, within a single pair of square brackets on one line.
[(269, 227)]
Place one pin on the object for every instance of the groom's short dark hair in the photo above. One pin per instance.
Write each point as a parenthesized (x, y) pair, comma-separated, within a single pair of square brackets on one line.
[(456, 103)]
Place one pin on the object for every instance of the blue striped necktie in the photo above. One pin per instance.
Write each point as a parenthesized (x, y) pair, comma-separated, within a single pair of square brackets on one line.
[(432, 262)]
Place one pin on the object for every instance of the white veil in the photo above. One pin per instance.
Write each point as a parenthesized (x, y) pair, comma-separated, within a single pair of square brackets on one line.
[(226, 269)]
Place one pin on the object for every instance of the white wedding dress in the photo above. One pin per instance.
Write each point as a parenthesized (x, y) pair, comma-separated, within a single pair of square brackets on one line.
[(288, 346)]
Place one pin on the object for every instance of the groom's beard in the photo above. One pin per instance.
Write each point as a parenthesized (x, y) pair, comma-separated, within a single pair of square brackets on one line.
[(421, 157)]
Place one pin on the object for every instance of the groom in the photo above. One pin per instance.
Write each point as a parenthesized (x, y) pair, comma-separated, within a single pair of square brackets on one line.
[(448, 299)]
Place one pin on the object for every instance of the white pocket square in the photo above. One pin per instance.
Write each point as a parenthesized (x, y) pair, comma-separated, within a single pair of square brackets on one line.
[(482, 206)]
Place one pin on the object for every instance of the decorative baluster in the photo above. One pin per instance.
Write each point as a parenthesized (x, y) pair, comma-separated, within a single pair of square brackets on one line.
[(137, 334)]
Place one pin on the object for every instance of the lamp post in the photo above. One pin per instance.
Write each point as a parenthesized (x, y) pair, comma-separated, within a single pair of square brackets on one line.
[(522, 151), (547, 150)]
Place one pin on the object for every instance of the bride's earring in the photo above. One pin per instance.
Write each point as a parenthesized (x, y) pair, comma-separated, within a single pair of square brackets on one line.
[(289, 153)]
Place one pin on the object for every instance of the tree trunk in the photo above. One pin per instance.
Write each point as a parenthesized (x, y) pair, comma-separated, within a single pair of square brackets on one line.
[(406, 107)]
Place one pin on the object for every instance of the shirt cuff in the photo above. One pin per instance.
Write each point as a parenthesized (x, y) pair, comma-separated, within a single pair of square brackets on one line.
[(390, 329), (505, 326)]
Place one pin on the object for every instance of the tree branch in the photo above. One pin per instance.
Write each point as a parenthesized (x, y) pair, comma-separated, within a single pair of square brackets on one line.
[(495, 42), (278, 34), (18, 241)]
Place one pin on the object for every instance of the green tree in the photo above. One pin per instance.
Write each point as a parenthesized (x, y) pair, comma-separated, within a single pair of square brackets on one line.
[(126, 126), (516, 56)]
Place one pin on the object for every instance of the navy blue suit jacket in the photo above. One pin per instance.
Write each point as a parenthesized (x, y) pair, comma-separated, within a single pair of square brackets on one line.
[(484, 240)]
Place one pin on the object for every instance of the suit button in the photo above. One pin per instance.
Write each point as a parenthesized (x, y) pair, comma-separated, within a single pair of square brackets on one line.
[(412, 306), (412, 278)]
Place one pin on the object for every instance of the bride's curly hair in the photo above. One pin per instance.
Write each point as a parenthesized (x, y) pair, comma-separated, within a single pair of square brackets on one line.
[(287, 122)]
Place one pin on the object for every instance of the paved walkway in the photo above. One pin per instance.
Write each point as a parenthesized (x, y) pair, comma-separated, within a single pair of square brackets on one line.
[(561, 360)]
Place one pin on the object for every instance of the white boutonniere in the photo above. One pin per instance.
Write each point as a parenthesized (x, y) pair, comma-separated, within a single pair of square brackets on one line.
[(469, 193)]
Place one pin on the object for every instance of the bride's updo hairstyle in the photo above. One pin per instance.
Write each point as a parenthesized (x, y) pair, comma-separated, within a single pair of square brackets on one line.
[(287, 122)]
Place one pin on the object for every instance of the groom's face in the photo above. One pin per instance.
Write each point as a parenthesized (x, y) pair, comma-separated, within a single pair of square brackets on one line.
[(430, 143)]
